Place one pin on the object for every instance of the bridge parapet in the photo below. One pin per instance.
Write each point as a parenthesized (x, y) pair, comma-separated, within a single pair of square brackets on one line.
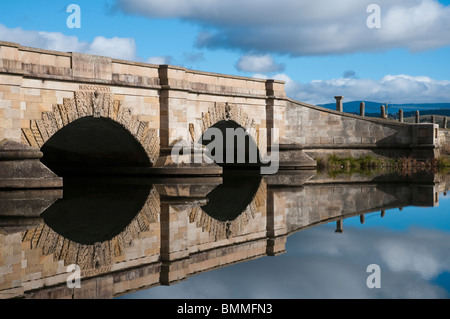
[(322, 131)]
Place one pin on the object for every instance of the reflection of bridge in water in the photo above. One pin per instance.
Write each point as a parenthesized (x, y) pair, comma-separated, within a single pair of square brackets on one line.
[(136, 234)]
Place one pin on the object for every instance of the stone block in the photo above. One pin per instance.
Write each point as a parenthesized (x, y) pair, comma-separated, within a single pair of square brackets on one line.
[(5, 104), (339, 140), (368, 140), (9, 53), (62, 62), (91, 66), (353, 140)]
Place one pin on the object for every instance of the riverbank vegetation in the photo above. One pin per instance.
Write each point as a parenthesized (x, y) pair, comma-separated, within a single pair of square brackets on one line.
[(368, 165)]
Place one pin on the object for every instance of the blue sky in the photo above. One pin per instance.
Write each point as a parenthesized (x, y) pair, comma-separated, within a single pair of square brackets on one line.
[(320, 48)]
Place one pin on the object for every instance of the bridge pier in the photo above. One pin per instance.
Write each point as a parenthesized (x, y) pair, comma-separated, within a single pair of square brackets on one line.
[(276, 225), (20, 168), (176, 203), (188, 161)]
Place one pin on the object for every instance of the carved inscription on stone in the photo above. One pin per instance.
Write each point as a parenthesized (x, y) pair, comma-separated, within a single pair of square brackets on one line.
[(91, 66), (99, 88)]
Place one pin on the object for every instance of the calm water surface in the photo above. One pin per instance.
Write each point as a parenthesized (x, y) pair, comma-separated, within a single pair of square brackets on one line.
[(240, 236), (411, 246)]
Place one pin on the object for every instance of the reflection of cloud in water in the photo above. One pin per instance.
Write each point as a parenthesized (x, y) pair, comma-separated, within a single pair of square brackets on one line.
[(424, 252), (322, 264)]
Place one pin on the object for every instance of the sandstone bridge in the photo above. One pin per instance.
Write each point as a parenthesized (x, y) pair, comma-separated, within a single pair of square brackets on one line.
[(89, 113)]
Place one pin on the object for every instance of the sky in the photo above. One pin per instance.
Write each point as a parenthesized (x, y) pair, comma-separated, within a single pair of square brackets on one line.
[(368, 50)]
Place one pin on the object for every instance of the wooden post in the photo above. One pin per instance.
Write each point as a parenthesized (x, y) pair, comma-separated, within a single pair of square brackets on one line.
[(362, 108), (445, 122), (417, 116), (400, 115)]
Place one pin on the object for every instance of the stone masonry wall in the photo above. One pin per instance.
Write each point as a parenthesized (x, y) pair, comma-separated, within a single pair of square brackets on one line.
[(444, 140), (175, 102), (317, 128)]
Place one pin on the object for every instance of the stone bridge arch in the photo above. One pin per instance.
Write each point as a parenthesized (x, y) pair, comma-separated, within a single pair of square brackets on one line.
[(224, 111), (98, 257), (236, 226), (92, 104)]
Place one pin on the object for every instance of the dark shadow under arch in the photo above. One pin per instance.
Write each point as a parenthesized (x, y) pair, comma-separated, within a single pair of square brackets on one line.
[(228, 200), (93, 211), (92, 142), (237, 148)]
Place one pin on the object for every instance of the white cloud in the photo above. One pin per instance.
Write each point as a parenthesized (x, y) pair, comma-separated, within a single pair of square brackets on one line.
[(306, 27), (392, 89), (121, 48), (291, 87), (159, 59), (260, 63)]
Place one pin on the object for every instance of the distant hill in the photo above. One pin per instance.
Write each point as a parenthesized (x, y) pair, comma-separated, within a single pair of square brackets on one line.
[(373, 108)]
